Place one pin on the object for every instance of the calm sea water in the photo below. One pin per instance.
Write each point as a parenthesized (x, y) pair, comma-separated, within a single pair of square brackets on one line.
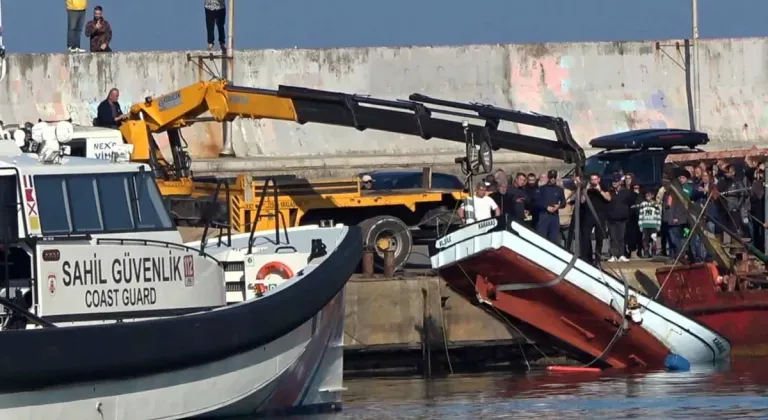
[(737, 390)]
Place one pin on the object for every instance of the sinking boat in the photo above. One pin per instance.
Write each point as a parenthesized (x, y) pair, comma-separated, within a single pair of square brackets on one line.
[(108, 315), (505, 265)]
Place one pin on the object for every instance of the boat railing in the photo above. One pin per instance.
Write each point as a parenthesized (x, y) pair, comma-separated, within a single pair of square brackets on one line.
[(209, 217), (152, 242), (278, 214)]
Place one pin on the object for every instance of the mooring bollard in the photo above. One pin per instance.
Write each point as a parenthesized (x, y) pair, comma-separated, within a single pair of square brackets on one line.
[(367, 262), (389, 263)]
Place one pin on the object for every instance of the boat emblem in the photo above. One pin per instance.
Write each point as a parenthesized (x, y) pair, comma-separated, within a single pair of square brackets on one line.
[(52, 284)]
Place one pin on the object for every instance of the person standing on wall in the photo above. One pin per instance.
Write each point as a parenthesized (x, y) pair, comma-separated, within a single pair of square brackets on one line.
[(99, 31), (215, 14), (75, 22), (549, 199), (618, 215)]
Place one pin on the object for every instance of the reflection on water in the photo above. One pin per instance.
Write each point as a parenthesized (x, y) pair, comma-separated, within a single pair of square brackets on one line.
[(735, 391)]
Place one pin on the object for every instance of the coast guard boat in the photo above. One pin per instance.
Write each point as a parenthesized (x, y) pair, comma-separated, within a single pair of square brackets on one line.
[(107, 315)]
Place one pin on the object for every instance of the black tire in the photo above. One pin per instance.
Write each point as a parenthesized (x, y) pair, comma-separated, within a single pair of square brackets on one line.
[(393, 227)]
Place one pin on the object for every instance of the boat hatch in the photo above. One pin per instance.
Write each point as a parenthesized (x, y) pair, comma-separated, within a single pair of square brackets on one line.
[(651, 138)]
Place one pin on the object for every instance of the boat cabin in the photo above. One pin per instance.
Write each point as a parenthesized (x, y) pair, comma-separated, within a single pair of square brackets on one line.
[(88, 240)]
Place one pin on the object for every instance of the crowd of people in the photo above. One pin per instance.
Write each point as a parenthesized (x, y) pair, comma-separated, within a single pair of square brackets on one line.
[(638, 221), (99, 31)]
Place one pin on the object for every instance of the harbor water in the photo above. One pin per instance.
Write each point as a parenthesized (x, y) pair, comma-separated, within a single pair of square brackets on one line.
[(736, 390)]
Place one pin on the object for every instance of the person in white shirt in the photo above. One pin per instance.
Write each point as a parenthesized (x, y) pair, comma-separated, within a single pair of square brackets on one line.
[(480, 207)]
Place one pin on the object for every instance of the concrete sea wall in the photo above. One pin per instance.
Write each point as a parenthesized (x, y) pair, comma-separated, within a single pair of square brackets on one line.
[(600, 88)]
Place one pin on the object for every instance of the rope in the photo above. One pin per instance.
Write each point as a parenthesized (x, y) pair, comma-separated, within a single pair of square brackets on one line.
[(621, 330), (442, 326)]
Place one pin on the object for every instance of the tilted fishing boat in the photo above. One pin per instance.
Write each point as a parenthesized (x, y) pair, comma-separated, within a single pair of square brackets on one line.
[(108, 315), (503, 264)]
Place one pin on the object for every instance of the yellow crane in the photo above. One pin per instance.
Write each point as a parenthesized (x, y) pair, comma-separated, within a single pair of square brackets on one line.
[(384, 215)]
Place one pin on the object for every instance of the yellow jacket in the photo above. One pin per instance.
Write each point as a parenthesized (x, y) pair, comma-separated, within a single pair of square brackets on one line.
[(77, 4)]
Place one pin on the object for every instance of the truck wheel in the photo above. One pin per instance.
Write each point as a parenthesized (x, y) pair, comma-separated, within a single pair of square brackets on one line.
[(383, 232)]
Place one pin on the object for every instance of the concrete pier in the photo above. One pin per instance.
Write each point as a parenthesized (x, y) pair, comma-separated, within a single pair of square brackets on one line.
[(599, 87)]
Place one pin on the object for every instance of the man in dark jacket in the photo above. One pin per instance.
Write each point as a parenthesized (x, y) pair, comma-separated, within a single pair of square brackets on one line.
[(618, 215), (600, 200), (109, 114), (673, 212), (700, 195), (531, 186), (516, 199), (549, 199), (734, 200)]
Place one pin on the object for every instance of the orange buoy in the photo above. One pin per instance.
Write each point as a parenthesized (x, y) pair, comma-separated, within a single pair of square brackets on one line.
[(276, 268), (572, 369)]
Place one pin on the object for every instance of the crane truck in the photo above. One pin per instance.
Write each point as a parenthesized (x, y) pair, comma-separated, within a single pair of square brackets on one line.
[(384, 215)]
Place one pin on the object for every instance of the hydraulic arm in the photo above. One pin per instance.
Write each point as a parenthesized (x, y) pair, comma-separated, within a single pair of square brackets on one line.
[(419, 116)]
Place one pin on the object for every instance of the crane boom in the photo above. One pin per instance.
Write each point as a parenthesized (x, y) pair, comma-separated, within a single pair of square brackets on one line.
[(418, 116)]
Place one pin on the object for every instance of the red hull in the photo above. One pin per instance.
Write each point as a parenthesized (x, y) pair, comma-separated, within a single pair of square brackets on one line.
[(563, 311), (736, 315)]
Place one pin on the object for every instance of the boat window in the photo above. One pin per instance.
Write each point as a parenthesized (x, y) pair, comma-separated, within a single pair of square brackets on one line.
[(116, 202), (151, 209), (100, 203), (52, 204), (84, 202)]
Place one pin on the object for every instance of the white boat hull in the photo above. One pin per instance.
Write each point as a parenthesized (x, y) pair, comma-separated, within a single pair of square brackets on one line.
[(299, 371)]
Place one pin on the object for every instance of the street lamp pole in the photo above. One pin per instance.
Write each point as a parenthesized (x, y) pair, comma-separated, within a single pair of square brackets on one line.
[(695, 72), (227, 148)]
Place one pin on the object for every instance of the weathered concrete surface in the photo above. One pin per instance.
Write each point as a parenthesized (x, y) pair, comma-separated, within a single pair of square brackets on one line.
[(402, 311), (600, 88)]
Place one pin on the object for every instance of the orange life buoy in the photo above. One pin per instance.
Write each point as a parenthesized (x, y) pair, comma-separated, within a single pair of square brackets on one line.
[(274, 267)]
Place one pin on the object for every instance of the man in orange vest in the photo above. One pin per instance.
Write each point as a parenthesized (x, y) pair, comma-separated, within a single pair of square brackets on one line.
[(75, 23)]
